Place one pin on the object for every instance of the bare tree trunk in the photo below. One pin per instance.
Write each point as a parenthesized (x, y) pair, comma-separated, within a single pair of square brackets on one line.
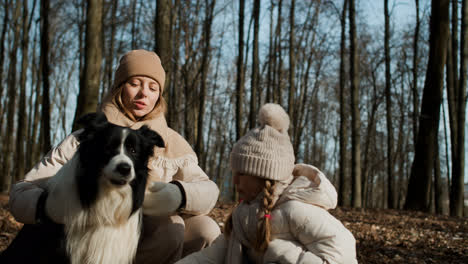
[(278, 89), (2, 56), (110, 52), (240, 73), (356, 199), (21, 131), (254, 86), (421, 171), (35, 73), (370, 135), (34, 146), (45, 51), (343, 183), (163, 47), (391, 200), (451, 79), (89, 91), (174, 91), (11, 80), (212, 114), (134, 18), (438, 190), (271, 58), (292, 64), (458, 157), (209, 9), (415, 75)]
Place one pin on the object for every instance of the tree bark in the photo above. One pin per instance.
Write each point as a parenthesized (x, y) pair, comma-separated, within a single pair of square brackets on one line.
[(240, 73), (2, 56), (418, 194), (205, 64), (254, 84), (163, 47), (271, 59), (343, 183), (438, 190), (21, 131), (277, 86), (292, 64), (110, 51), (356, 199), (89, 90), (174, 88), (451, 79), (391, 200), (458, 156), (11, 80), (414, 87)]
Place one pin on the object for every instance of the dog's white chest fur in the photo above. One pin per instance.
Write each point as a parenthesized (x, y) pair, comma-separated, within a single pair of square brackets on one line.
[(103, 244), (103, 233)]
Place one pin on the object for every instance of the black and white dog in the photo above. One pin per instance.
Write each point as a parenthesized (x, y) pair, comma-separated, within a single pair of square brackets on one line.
[(103, 188)]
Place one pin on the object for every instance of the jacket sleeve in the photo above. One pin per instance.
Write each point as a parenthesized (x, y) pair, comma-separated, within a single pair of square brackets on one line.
[(282, 251), (320, 233), (201, 193), (213, 254), (24, 194)]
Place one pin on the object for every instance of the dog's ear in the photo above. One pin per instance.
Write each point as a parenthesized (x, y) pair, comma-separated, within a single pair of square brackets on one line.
[(151, 136), (91, 122), (97, 120)]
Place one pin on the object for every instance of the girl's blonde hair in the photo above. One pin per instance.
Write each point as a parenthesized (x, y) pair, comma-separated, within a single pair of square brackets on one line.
[(115, 97), (263, 237)]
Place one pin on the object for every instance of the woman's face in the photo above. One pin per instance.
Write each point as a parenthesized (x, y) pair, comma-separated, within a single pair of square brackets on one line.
[(248, 186), (140, 94)]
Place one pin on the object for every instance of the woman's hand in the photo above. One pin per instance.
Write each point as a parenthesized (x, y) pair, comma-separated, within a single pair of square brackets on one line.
[(163, 199)]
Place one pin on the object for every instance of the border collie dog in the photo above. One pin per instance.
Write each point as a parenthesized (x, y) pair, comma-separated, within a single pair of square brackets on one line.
[(104, 183)]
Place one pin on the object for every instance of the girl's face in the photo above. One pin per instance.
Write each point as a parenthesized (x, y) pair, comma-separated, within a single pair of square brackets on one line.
[(248, 186), (140, 94)]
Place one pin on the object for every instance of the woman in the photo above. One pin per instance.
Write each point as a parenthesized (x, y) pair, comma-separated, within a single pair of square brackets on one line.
[(283, 215), (135, 100)]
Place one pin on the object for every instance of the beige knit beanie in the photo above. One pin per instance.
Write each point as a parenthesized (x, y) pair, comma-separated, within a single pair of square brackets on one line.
[(140, 62), (266, 151)]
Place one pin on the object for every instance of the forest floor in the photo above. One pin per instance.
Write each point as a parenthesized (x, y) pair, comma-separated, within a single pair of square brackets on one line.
[(382, 236)]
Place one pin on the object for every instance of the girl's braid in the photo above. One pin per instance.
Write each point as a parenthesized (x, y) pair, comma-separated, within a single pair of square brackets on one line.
[(263, 226)]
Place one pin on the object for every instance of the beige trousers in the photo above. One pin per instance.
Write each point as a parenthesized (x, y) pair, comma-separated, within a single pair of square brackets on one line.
[(165, 240)]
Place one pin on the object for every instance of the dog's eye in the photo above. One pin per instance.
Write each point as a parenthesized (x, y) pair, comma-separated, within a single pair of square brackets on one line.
[(130, 147)]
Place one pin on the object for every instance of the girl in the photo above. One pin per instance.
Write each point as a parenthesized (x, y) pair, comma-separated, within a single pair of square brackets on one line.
[(283, 215), (180, 185)]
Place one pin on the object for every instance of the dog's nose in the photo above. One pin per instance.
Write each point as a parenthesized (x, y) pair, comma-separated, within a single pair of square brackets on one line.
[(123, 168)]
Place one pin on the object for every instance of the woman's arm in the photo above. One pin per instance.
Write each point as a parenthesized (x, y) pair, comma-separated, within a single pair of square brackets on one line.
[(201, 193), (25, 194)]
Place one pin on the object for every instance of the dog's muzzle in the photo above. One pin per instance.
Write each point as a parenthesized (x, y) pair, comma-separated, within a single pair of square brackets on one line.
[(123, 171)]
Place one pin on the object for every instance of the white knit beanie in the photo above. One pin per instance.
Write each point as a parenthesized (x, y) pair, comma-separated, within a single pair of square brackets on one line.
[(266, 151)]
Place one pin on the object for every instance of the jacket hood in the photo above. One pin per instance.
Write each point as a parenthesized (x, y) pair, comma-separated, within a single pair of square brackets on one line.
[(310, 186)]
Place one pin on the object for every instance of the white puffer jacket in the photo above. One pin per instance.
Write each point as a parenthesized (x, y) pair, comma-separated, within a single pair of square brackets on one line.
[(302, 229)]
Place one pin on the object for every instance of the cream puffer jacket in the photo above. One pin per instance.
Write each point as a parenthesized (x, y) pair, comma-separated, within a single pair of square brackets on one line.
[(175, 162), (302, 229)]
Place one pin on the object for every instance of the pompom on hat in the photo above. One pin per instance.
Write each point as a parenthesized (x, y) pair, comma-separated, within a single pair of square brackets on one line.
[(140, 63), (266, 151)]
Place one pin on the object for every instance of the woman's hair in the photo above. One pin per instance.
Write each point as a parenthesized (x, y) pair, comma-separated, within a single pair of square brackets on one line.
[(115, 97), (263, 237)]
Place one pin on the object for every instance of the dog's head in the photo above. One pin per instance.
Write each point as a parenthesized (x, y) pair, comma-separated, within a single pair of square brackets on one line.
[(114, 156)]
